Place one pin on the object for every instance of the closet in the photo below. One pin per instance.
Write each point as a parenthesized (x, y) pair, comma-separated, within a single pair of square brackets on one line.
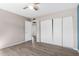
[(68, 32), (46, 31), (58, 31), (28, 31)]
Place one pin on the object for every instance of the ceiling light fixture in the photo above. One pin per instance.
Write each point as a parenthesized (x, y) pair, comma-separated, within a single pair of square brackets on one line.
[(31, 7), (34, 6)]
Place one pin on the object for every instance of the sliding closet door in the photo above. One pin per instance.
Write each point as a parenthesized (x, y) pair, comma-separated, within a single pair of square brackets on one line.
[(46, 31), (57, 31), (28, 31), (68, 32)]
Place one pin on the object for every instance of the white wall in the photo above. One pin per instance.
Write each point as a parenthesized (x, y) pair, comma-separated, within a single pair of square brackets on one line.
[(12, 29)]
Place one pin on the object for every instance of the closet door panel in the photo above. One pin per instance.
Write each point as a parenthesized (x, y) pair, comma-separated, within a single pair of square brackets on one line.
[(68, 32), (46, 31), (57, 31), (28, 31)]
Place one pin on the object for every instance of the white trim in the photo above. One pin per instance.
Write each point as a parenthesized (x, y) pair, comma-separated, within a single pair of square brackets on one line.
[(12, 44), (76, 49)]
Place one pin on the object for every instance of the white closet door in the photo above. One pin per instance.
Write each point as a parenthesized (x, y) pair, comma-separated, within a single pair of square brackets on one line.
[(28, 32), (46, 31), (57, 31), (68, 32)]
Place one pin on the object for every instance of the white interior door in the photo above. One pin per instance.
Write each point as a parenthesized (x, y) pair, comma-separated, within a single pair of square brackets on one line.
[(68, 32), (57, 31), (28, 31), (46, 31)]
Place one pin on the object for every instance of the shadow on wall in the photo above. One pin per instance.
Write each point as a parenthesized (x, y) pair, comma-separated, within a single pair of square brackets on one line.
[(78, 26)]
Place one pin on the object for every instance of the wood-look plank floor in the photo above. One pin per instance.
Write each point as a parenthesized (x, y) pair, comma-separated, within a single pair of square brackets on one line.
[(41, 49)]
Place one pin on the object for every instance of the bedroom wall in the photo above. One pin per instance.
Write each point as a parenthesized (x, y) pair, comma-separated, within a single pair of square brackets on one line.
[(69, 12), (12, 29)]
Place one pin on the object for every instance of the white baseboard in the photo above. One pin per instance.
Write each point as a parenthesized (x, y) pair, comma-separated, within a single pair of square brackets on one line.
[(12, 44), (76, 49)]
